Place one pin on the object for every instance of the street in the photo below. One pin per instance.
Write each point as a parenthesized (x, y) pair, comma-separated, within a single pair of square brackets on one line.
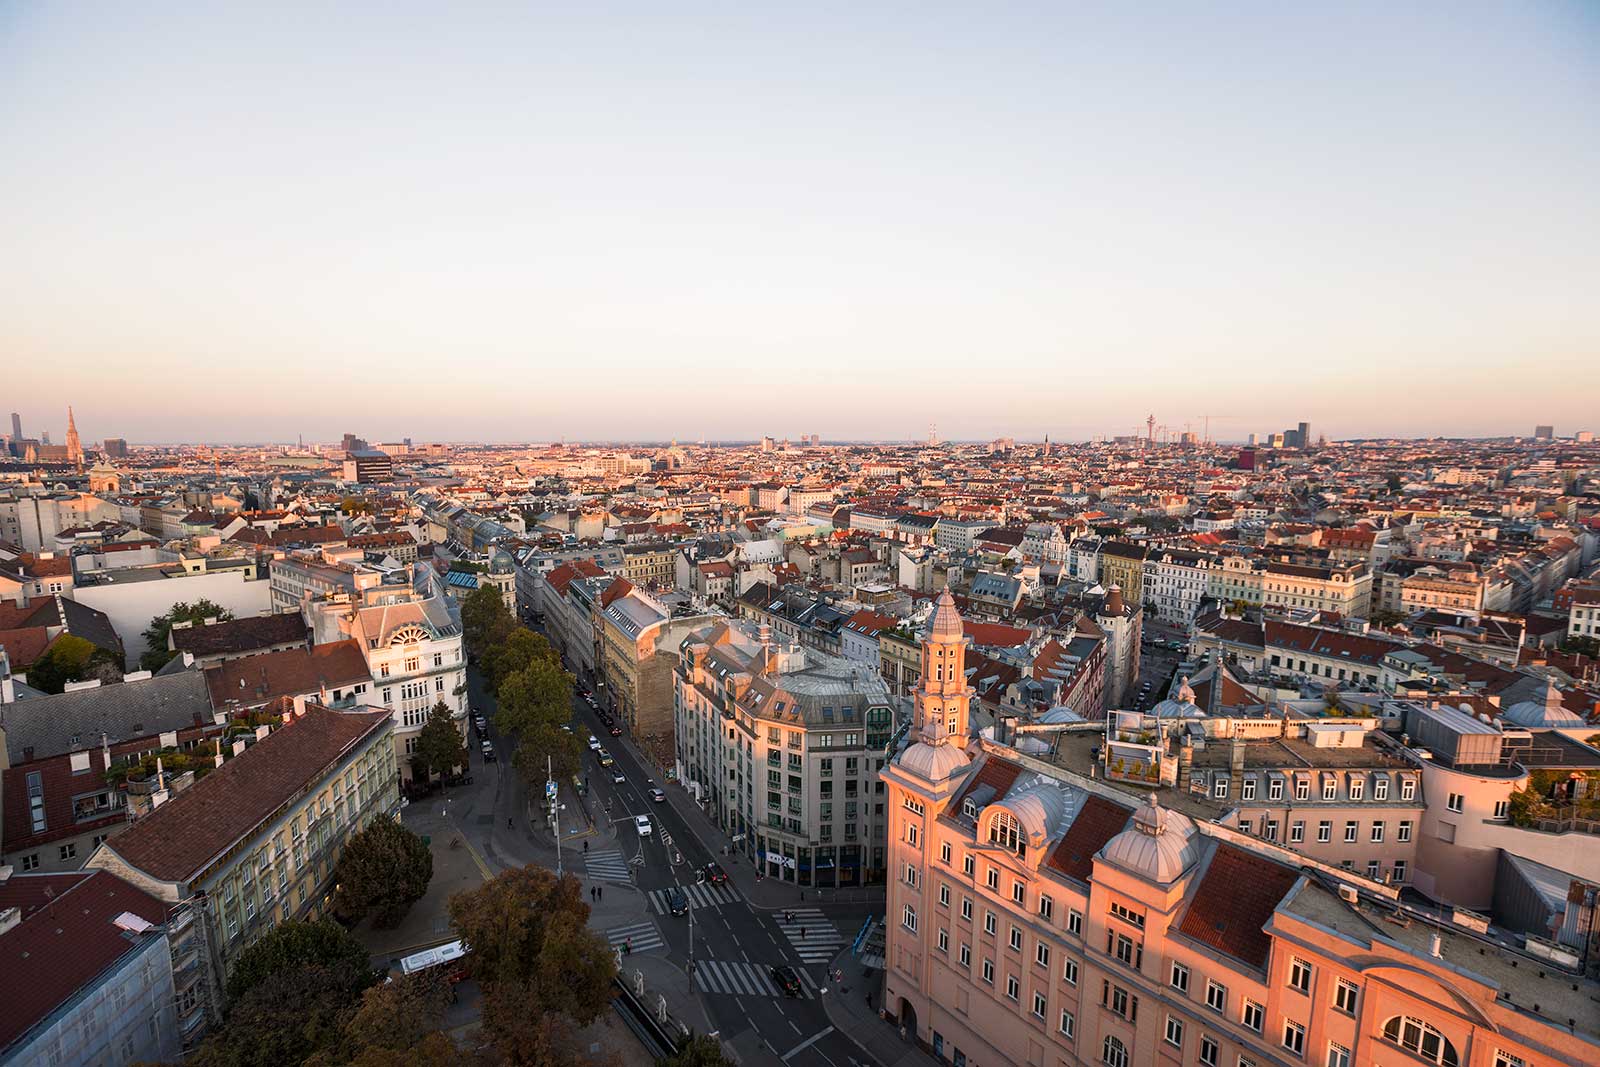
[(734, 944)]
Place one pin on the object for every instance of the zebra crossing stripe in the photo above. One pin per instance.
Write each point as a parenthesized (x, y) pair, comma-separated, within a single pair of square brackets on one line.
[(645, 936), (821, 940), (699, 896), (608, 863), (738, 979)]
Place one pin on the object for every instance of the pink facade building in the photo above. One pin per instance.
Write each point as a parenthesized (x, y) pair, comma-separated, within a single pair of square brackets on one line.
[(1037, 916)]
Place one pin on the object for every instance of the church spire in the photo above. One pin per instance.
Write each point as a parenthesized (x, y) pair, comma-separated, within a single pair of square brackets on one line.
[(74, 446)]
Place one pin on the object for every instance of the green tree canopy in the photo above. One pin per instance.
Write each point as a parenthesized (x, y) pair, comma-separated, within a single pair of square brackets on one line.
[(439, 746), (520, 648), (156, 652), (541, 692), (383, 870), (70, 658), (288, 1015), (485, 619), (297, 943), (542, 749)]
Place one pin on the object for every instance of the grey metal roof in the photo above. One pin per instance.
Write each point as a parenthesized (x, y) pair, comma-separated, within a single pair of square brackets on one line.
[(123, 711)]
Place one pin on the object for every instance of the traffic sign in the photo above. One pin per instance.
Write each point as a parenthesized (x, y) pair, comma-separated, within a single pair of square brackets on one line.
[(550, 790)]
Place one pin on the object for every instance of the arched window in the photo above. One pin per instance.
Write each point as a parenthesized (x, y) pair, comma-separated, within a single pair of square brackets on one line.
[(1418, 1037), (408, 635), (1003, 830), (1114, 1053)]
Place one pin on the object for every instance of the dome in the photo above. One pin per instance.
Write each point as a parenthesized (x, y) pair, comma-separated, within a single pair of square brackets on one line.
[(946, 620), (1114, 604), (1061, 714), (1179, 706), (933, 763), (1159, 846), (502, 563), (1548, 712), (1036, 809)]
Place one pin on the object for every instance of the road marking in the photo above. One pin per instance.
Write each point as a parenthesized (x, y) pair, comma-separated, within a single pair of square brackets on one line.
[(745, 979), (483, 868), (607, 863), (807, 1043), (644, 935), (699, 896), (812, 935), (793, 1026)]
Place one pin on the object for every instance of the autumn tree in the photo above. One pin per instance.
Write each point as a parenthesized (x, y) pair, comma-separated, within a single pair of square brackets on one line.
[(156, 652), (543, 750), (541, 692), (383, 870), (70, 658), (440, 748), (700, 1050)]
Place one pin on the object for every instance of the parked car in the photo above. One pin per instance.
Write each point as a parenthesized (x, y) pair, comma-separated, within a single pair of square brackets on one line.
[(605, 758), (677, 903), (488, 752), (658, 796), (715, 874), (594, 743), (615, 730), (642, 823), (787, 979)]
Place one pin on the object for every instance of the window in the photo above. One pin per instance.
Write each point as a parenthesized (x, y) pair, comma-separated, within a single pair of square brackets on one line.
[(1372, 869), (1344, 996), (1377, 832), (1017, 892), (1046, 907), (911, 874), (1127, 915), (914, 806), (1216, 996), (992, 879), (1119, 1000), (965, 953), (1016, 939), (908, 918), (1350, 830), (1069, 972), (988, 922), (1114, 1053), (1501, 808), (944, 940), (1324, 831), (1004, 830), (1174, 1034), (1074, 921), (1380, 788), (68, 851), (1338, 1055), (1297, 832), (1247, 789), (944, 852), (1454, 802), (1419, 1038), (1403, 831), (30, 862), (1397, 873), (1219, 789), (1294, 1037), (1012, 988), (944, 896), (1066, 1024), (988, 971), (966, 865), (1408, 788), (1330, 787), (1506, 1059), (1041, 954), (1357, 788), (1275, 789), (966, 908), (1180, 978), (1039, 1005), (1299, 974), (1302, 789), (1253, 1016), (1208, 1051), (1125, 949)]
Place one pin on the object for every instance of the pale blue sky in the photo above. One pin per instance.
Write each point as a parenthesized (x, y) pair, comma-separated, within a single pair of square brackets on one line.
[(249, 221)]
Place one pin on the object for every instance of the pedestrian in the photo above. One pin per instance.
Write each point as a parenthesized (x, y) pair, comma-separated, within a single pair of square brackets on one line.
[(586, 847), (869, 998), (802, 933), (802, 896), (601, 890), (510, 825)]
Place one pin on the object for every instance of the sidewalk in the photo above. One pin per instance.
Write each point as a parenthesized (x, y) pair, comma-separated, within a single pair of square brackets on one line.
[(454, 869), (850, 1014)]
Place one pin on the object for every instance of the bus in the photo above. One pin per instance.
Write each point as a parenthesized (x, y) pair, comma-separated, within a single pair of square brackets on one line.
[(449, 958)]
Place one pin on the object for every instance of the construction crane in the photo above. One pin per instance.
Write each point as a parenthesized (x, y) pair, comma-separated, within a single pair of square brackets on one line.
[(1208, 419)]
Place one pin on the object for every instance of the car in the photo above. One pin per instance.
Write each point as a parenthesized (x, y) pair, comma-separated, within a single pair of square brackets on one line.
[(480, 722), (617, 776), (642, 824), (567, 727), (488, 753), (677, 902), (658, 796), (594, 743), (714, 874), (615, 731), (787, 979), (605, 758)]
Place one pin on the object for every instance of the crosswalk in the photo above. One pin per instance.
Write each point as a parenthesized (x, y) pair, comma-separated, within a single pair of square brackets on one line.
[(703, 895), (607, 863), (744, 980), (644, 935), (812, 935)]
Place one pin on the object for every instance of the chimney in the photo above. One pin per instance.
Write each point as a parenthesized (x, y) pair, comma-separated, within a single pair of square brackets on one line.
[(1185, 759), (1433, 946), (299, 706), (1236, 756)]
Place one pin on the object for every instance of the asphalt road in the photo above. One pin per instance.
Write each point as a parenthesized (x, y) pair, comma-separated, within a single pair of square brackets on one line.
[(733, 944)]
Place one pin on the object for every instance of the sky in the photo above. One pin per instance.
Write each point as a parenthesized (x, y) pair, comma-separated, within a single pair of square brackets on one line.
[(248, 222)]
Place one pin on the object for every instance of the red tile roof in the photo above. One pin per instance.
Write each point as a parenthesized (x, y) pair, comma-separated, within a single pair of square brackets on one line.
[(1098, 822), (64, 943), (995, 634), (177, 840), (292, 672), (25, 645), (995, 772), (1233, 902)]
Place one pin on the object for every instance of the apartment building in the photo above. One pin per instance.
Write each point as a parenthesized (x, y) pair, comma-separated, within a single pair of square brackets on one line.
[(255, 842), (1122, 565), (1345, 589), (785, 743), (1175, 582), (1583, 618), (303, 576), (636, 655), (650, 565), (1036, 916)]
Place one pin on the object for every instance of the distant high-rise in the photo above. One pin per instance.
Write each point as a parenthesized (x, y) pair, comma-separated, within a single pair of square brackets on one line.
[(16, 426), (1544, 433), (115, 447), (1305, 435), (44, 438), (352, 443)]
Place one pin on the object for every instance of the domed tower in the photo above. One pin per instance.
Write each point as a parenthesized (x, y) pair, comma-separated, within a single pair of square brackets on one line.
[(943, 697)]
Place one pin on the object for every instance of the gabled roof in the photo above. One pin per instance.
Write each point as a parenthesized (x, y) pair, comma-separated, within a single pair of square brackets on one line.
[(1233, 902), (122, 711), (176, 841), (291, 672)]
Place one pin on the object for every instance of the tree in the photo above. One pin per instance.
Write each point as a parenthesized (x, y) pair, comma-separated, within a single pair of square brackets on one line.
[(699, 1050), (396, 1024), (539, 693), (383, 870), (530, 940), (294, 944), (485, 619), (544, 749), (70, 658), (1394, 483), (1581, 646), (439, 745), (155, 635), (288, 1015), (520, 648)]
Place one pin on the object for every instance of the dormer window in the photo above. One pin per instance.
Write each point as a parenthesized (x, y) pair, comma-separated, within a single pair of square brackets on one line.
[(1004, 830), (969, 808)]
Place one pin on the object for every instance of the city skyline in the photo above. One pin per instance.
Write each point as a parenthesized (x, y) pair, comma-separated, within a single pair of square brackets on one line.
[(1052, 222)]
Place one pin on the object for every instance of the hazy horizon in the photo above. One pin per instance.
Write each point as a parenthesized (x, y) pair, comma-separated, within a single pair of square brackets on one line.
[(486, 223)]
